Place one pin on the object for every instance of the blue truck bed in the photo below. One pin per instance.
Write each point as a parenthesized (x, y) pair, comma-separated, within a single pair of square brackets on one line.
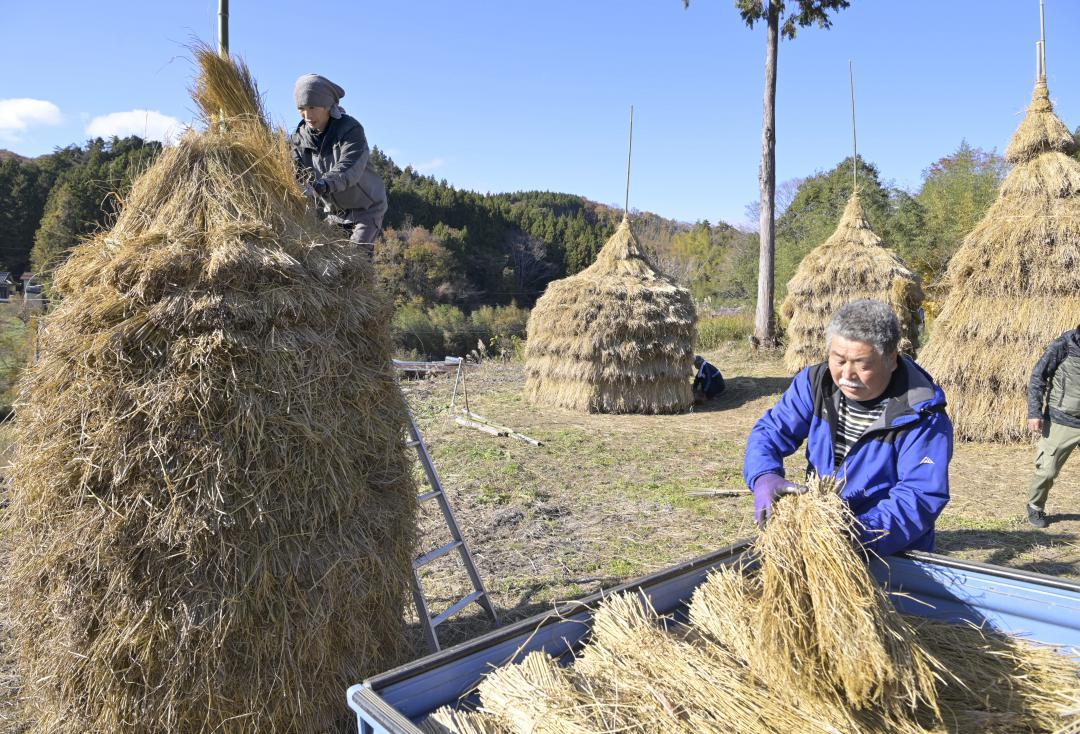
[(1032, 606)]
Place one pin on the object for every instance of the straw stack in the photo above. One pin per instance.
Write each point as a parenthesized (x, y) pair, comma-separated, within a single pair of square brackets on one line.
[(1014, 284), (211, 517), (615, 338), (852, 264)]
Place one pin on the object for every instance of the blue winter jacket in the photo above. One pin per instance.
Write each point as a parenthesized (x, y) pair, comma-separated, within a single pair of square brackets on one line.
[(896, 477)]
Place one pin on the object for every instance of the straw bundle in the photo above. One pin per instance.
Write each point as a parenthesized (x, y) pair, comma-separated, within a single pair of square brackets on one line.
[(819, 605), (998, 683), (615, 338), (852, 264), (450, 721), (805, 642), (211, 516), (1014, 284)]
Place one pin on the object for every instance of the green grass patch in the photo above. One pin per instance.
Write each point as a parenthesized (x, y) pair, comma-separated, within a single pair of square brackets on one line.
[(713, 331)]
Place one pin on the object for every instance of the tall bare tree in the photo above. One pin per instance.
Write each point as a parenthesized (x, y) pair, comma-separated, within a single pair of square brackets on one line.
[(779, 21)]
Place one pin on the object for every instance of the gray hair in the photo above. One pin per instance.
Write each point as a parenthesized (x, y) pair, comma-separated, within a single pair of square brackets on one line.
[(867, 321)]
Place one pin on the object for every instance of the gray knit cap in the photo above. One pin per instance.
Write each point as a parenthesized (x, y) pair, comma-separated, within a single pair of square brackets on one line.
[(313, 90)]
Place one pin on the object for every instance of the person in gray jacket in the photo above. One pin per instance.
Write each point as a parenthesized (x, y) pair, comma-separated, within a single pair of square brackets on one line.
[(1054, 412), (331, 155)]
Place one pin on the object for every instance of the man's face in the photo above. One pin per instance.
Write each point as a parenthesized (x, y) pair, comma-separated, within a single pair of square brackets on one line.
[(857, 368), (316, 117)]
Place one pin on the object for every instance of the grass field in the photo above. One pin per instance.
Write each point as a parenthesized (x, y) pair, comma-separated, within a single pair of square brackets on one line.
[(607, 498)]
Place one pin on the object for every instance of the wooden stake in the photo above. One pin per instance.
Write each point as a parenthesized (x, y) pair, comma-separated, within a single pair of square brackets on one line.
[(629, 151), (854, 143)]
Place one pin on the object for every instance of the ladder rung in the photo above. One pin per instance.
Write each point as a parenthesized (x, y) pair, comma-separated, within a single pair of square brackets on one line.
[(455, 608), (428, 495), (437, 553)]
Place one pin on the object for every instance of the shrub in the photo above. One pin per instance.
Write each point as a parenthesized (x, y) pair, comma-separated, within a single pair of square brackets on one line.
[(713, 331)]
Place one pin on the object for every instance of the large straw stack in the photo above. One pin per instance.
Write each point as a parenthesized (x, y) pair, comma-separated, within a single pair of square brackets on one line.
[(211, 516), (615, 338), (1014, 284), (853, 263)]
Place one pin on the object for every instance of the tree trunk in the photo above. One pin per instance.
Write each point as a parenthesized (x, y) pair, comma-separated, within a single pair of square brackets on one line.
[(765, 321)]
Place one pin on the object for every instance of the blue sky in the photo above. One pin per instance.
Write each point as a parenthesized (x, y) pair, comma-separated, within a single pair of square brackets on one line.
[(519, 95)]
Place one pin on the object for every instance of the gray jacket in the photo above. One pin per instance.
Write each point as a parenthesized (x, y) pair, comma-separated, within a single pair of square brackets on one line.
[(1055, 382), (341, 160)]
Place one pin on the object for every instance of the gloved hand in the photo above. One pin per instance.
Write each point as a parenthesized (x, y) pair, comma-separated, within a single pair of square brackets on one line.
[(321, 187), (767, 489), (308, 190)]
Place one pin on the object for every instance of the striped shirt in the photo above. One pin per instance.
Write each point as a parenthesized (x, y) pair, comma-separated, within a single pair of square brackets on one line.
[(853, 418)]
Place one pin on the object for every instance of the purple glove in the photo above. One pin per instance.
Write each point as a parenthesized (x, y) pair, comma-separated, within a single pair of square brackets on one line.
[(767, 488)]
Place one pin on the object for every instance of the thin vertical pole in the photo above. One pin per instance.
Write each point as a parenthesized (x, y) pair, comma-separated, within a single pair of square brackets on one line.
[(223, 27), (1042, 39), (629, 152), (854, 143)]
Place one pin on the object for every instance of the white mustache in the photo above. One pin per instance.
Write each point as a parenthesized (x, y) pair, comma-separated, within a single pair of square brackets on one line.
[(849, 383)]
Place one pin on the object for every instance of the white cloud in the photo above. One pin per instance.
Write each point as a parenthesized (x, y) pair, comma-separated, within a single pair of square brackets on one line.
[(429, 166), (147, 124), (17, 115)]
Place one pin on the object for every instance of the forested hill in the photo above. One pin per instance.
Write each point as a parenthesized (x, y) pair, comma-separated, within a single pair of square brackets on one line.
[(443, 245), (502, 246)]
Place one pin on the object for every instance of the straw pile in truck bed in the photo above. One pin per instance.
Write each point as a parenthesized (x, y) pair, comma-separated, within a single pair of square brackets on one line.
[(617, 337), (803, 642), (852, 264), (211, 516)]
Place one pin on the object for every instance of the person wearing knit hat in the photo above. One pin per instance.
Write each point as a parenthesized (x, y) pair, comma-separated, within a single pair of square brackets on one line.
[(332, 159)]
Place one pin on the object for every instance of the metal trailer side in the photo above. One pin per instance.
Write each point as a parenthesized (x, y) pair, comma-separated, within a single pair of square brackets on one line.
[(1034, 606)]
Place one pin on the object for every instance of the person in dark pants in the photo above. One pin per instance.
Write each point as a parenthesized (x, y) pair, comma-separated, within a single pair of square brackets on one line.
[(1053, 412), (708, 382), (331, 155)]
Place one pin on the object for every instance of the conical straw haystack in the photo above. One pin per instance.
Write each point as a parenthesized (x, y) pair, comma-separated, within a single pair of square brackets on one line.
[(615, 338), (852, 264), (1014, 284), (211, 517)]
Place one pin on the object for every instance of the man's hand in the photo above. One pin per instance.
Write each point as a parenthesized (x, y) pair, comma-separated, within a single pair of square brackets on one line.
[(767, 489), (1035, 425), (321, 187), (309, 191)]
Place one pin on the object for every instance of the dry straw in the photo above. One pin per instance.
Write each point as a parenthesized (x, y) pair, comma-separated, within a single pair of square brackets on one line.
[(799, 640), (853, 263), (1014, 284), (615, 338), (211, 517)]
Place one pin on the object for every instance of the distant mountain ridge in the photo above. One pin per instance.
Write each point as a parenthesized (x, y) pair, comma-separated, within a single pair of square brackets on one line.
[(6, 154)]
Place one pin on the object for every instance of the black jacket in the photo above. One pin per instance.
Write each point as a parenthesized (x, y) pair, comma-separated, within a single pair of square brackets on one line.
[(1054, 389)]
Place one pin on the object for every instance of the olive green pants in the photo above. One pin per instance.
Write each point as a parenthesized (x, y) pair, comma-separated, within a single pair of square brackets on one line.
[(1054, 448)]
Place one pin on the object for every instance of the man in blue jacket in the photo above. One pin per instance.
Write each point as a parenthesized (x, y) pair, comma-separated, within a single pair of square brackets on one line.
[(873, 418)]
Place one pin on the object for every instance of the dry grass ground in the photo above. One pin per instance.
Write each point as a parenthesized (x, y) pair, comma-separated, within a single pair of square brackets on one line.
[(606, 497)]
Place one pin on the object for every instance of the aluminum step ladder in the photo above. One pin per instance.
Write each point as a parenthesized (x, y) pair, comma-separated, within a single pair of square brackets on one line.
[(457, 543)]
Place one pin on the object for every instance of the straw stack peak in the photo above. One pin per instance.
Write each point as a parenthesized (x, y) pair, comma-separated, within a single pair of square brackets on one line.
[(852, 263), (622, 255), (225, 88), (1040, 131)]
